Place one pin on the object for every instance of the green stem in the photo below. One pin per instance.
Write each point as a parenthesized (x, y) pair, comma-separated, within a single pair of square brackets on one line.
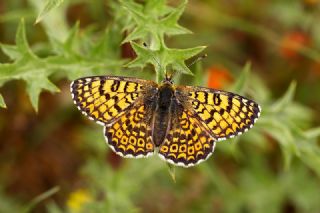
[(158, 76)]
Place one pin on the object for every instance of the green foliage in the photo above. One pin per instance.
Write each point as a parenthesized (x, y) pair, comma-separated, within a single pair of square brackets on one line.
[(74, 57), (164, 57), (8, 204), (49, 5), (284, 121), (152, 22), (240, 86), (2, 103), (27, 66), (39, 199)]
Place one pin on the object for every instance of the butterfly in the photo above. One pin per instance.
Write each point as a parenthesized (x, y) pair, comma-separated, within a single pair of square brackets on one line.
[(179, 123)]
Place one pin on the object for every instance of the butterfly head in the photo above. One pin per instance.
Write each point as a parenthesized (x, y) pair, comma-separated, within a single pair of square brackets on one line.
[(167, 79)]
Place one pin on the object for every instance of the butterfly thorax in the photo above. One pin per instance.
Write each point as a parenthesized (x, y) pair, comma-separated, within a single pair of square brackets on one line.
[(162, 112)]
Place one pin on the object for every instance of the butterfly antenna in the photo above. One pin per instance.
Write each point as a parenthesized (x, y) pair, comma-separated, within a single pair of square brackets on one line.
[(197, 59)]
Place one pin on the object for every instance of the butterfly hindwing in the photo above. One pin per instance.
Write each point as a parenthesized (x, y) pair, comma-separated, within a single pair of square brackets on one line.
[(187, 142), (106, 98), (131, 134), (224, 114)]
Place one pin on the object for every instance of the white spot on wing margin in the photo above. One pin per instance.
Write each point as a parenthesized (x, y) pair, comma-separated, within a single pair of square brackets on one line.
[(78, 106), (181, 164), (245, 130)]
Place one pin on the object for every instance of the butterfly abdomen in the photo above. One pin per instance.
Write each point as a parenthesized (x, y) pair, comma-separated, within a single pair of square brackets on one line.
[(162, 113)]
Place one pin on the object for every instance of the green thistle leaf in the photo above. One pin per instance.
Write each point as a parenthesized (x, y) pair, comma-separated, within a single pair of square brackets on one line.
[(154, 21), (11, 51), (164, 57), (27, 67), (49, 5), (2, 103)]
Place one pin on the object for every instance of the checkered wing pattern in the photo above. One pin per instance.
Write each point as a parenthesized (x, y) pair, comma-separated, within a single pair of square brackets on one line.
[(131, 135), (223, 114), (187, 142), (106, 98)]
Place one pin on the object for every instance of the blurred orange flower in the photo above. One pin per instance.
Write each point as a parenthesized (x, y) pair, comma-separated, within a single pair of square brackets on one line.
[(292, 44), (219, 77)]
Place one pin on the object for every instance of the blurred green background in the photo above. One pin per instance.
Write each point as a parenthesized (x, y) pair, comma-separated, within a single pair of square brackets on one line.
[(53, 159)]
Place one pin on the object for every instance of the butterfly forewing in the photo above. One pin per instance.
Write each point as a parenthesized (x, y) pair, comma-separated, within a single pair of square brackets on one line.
[(106, 98), (223, 114)]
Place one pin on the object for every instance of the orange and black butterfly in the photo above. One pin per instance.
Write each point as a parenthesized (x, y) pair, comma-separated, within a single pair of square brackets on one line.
[(180, 123)]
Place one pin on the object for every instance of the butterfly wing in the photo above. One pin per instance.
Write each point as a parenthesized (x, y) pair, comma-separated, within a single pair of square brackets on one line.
[(223, 114), (131, 134), (187, 142), (104, 99)]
